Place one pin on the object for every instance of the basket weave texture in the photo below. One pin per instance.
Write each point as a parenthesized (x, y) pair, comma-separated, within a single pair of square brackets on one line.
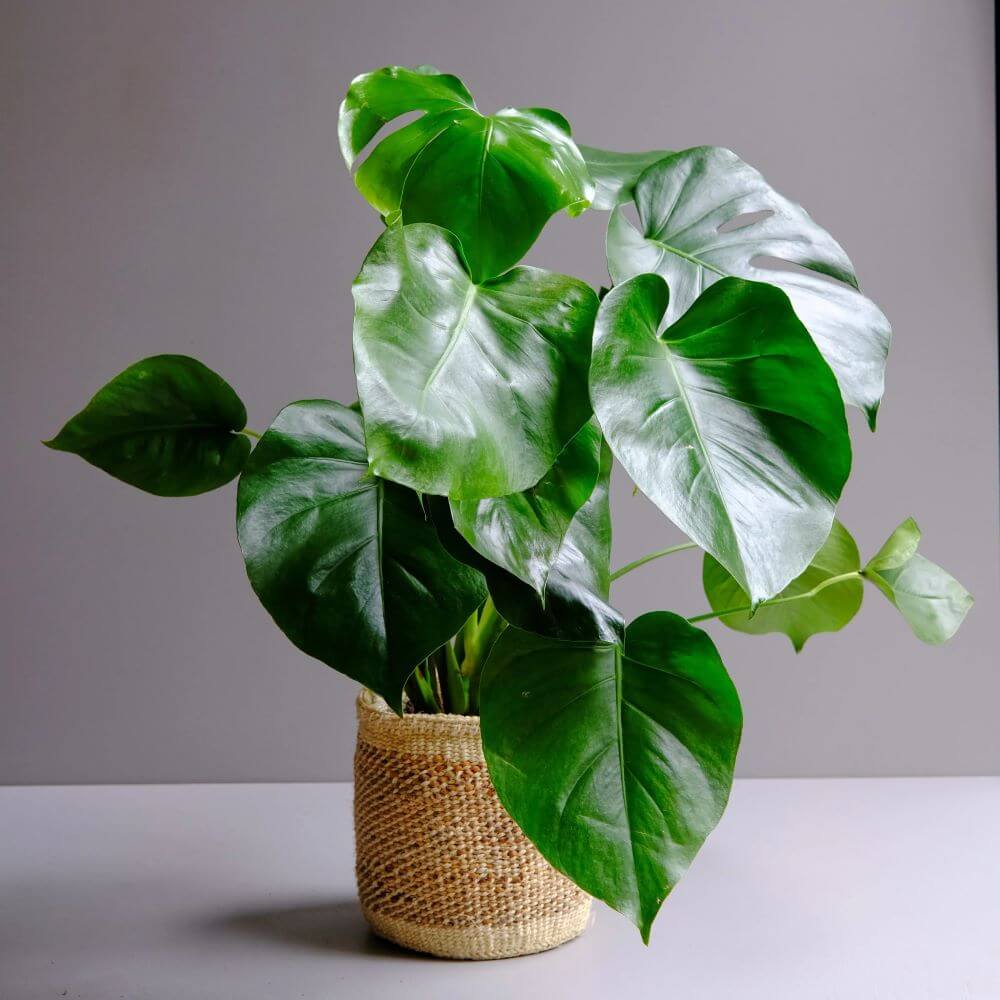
[(441, 866)]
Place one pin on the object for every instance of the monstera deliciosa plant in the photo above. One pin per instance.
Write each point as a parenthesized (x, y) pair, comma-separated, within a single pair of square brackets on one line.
[(445, 540)]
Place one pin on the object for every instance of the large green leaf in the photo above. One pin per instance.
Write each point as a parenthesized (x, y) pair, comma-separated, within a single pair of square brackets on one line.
[(731, 422), (468, 390), (347, 564), (828, 608), (933, 603), (615, 174), (574, 603), (688, 204), (167, 425), (523, 532), (493, 180), (616, 759)]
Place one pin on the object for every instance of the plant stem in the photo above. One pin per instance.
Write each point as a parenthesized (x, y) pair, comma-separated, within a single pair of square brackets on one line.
[(853, 575), (425, 689), (650, 557), (457, 685), (477, 648), (250, 434)]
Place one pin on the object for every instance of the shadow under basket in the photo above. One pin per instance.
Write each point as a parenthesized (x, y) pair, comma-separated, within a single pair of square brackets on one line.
[(441, 866)]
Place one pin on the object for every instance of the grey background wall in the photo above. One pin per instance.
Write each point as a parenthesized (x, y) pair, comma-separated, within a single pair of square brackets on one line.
[(171, 182)]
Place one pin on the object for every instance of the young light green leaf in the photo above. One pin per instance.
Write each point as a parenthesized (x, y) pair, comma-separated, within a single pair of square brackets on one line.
[(705, 214), (731, 422), (523, 532), (167, 425), (616, 759), (493, 180), (346, 563), (615, 174), (468, 390), (933, 603), (808, 605)]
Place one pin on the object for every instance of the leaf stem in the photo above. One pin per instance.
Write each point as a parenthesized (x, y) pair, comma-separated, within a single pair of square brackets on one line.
[(250, 434), (853, 575), (650, 557)]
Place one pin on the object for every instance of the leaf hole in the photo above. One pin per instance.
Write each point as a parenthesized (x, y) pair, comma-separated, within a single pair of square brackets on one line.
[(743, 220)]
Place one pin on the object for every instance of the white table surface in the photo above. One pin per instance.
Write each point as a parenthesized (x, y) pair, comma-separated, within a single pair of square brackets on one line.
[(858, 889)]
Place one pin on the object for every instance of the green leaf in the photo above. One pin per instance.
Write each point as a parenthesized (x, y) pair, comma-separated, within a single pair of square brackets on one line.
[(616, 759), (615, 174), (468, 390), (492, 180), (799, 617), (574, 604), (684, 200), (931, 600), (347, 564), (731, 422), (523, 532), (167, 425)]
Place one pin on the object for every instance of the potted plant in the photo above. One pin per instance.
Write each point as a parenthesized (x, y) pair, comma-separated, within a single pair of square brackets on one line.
[(445, 540)]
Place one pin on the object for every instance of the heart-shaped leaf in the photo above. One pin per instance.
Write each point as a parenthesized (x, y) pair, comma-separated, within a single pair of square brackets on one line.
[(811, 603), (493, 180), (523, 532), (616, 759), (615, 174), (347, 564), (574, 604), (731, 422), (690, 207), (933, 603), (167, 425), (468, 390)]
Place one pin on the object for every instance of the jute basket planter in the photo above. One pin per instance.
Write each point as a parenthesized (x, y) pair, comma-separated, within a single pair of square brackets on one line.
[(441, 866)]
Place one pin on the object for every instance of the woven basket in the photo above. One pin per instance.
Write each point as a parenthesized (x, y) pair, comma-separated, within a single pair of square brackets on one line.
[(441, 866)]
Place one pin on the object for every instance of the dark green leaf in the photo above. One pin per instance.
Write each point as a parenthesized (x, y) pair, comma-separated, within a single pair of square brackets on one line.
[(346, 563), (691, 233), (523, 532), (799, 617), (931, 600), (468, 390), (493, 180), (615, 759), (615, 174), (731, 422), (575, 601), (167, 425)]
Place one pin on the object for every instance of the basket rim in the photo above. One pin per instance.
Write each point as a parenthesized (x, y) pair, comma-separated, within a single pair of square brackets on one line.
[(370, 702)]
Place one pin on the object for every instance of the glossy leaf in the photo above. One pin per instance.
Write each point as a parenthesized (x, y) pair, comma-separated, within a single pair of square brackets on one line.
[(468, 390), (167, 425), (616, 759), (615, 174), (691, 233), (347, 564), (574, 604), (931, 600), (799, 617), (731, 422), (493, 180), (523, 532)]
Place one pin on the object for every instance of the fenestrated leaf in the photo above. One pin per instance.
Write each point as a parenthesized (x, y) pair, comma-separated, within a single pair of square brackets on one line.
[(523, 532), (574, 604), (615, 174), (827, 611), (167, 425), (468, 390), (346, 563), (731, 422), (493, 180), (931, 600), (616, 759), (690, 206)]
